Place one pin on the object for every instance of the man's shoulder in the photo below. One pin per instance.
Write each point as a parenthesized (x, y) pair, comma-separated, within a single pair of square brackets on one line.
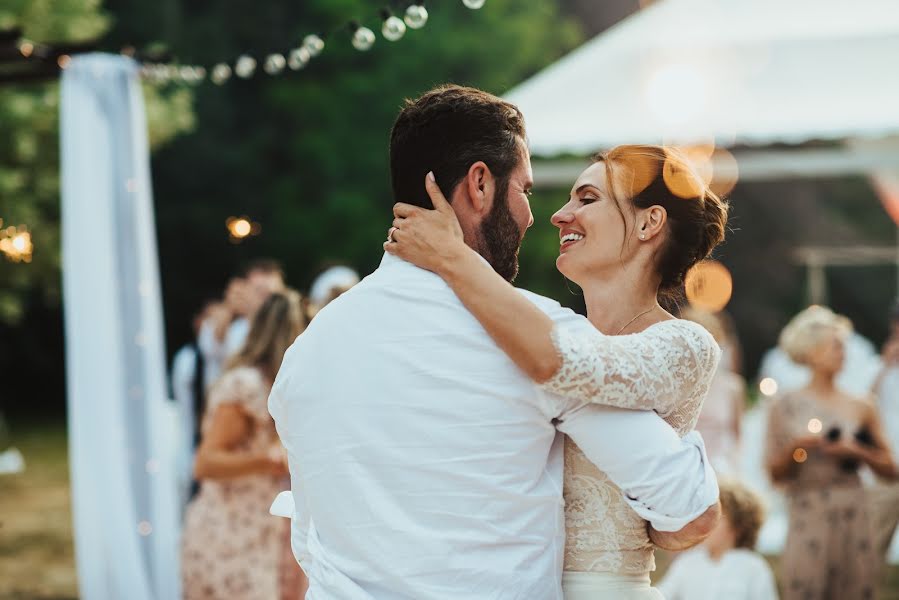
[(553, 309)]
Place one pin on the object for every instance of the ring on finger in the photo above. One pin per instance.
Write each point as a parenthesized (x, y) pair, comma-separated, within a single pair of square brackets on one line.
[(390, 234)]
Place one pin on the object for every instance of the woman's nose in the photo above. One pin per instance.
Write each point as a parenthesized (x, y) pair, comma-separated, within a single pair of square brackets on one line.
[(563, 216)]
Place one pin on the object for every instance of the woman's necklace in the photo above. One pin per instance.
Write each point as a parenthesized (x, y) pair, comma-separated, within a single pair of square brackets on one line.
[(634, 319)]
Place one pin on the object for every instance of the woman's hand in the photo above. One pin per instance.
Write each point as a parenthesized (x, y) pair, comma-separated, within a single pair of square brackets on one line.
[(844, 449), (430, 239), (807, 442)]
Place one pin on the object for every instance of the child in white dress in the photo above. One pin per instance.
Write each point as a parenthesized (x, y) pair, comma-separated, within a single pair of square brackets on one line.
[(725, 565)]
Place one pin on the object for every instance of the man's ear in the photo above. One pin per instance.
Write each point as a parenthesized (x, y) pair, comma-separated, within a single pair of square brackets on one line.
[(481, 186)]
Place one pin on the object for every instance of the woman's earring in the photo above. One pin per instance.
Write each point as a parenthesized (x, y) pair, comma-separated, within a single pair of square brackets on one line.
[(642, 237)]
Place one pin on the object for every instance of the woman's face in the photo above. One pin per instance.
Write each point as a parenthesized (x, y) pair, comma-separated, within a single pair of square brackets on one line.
[(592, 231), (828, 355)]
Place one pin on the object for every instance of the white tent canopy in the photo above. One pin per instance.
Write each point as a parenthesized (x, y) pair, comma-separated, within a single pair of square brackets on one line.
[(735, 71)]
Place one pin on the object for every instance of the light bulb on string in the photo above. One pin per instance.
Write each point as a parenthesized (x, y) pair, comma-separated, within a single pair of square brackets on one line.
[(393, 27), (274, 64), (313, 45), (245, 66), (298, 58), (474, 4), (363, 37), (416, 16), (221, 73)]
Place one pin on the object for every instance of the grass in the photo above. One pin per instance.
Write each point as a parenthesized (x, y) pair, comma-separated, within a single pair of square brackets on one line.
[(37, 559)]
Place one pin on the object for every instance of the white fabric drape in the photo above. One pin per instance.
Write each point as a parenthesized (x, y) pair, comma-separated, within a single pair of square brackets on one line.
[(120, 430)]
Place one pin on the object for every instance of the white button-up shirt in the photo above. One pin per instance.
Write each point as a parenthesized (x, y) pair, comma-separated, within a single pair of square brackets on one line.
[(425, 465)]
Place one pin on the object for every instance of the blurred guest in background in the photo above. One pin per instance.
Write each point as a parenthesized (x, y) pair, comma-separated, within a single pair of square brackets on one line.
[(722, 411), (885, 495), (189, 394), (817, 438), (330, 284), (725, 565), (231, 547), (224, 331)]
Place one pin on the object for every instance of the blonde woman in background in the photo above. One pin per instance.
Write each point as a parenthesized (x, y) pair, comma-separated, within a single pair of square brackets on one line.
[(231, 547), (818, 437), (721, 415)]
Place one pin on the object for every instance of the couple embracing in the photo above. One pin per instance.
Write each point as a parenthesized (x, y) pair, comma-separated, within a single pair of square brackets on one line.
[(452, 437)]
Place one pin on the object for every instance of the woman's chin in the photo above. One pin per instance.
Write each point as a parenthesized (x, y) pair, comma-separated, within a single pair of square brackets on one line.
[(564, 266)]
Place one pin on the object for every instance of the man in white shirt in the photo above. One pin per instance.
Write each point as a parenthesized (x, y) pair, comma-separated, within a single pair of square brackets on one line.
[(885, 495), (424, 465)]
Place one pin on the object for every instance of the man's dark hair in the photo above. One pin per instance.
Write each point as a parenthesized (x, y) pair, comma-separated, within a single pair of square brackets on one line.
[(894, 313), (446, 131), (269, 266)]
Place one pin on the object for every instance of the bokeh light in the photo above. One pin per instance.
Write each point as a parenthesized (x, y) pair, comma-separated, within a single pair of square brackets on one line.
[(725, 172), (768, 387), (709, 286), (815, 426), (16, 244), (144, 528), (800, 455), (239, 228)]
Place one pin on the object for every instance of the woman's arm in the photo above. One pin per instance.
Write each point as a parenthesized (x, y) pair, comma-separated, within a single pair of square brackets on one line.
[(433, 240), (217, 457), (627, 372), (878, 456)]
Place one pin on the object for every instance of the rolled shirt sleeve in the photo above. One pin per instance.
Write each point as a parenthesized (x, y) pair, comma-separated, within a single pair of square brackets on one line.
[(666, 479)]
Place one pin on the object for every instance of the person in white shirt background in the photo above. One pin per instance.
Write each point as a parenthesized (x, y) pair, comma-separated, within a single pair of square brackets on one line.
[(424, 464), (884, 495), (188, 393), (725, 566), (329, 285), (224, 331)]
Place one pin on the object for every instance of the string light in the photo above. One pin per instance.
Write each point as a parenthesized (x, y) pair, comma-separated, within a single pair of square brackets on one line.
[(416, 16), (393, 27), (363, 37), (474, 4), (299, 58), (221, 73), (274, 64), (245, 66), (313, 45)]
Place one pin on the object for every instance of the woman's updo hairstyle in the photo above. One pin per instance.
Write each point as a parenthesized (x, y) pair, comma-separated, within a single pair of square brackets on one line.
[(664, 176), (809, 328)]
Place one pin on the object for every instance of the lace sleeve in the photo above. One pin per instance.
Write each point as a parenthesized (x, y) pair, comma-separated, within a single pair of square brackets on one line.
[(652, 370)]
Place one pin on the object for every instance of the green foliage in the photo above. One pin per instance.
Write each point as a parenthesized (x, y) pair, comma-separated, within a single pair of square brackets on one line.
[(305, 154), (29, 158)]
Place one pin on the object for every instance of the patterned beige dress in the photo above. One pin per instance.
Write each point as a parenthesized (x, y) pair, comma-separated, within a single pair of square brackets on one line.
[(829, 554), (231, 546), (668, 368)]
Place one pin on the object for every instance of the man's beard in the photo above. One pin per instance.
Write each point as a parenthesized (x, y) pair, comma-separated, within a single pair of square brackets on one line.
[(501, 236)]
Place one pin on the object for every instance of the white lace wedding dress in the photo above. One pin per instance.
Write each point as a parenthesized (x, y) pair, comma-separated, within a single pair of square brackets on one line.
[(668, 368)]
